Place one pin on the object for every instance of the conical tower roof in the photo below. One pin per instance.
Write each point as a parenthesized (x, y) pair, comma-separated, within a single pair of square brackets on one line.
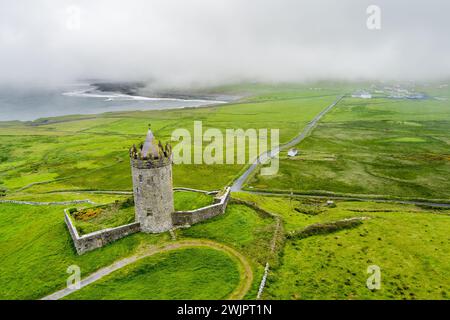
[(150, 146)]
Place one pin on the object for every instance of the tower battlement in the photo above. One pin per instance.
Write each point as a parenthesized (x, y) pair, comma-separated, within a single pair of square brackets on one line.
[(151, 154), (150, 163)]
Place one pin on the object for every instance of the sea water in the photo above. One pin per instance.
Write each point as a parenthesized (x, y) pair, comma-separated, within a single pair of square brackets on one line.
[(33, 103)]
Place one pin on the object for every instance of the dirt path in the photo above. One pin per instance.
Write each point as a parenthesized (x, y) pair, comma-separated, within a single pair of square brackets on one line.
[(246, 274)]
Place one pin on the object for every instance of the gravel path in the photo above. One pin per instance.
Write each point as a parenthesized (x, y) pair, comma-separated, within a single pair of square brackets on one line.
[(246, 274)]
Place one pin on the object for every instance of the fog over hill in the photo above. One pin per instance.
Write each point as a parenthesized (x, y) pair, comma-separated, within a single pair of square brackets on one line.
[(204, 42)]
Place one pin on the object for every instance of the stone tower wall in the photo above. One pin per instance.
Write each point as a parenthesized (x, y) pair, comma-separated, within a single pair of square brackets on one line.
[(153, 195)]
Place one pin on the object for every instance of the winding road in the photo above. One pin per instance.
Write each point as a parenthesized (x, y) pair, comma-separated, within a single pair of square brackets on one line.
[(239, 182), (246, 273)]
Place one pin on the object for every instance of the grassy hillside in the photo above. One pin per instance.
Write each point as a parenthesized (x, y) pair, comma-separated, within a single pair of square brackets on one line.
[(241, 227), (410, 244), (37, 249), (91, 152), (182, 274), (377, 147), (185, 200)]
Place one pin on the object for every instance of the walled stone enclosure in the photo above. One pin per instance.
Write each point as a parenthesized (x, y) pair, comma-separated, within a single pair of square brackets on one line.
[(101, 238), (151, 171), (188, 218)]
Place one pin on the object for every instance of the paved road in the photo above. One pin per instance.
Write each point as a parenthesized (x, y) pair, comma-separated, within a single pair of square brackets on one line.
[(246, 272), (237, 185)]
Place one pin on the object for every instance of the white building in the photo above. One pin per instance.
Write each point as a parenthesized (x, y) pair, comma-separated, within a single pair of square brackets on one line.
[(362, 95), (292, 152)]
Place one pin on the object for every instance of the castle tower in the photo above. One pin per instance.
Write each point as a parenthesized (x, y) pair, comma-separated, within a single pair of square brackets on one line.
[(151, 170)]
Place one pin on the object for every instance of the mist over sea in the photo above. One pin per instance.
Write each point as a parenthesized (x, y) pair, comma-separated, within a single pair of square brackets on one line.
[(32, 103)]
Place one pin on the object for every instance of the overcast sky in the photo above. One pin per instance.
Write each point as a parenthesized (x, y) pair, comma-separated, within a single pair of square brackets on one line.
[(183, 42)]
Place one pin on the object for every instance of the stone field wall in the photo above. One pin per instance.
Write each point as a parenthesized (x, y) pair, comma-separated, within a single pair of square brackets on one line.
[(100, 238), (182, 218)]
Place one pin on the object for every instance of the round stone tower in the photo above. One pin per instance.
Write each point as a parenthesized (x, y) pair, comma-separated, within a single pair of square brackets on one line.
[(151, 170)]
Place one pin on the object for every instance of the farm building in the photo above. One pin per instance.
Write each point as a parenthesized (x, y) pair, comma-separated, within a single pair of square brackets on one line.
[(292, 152)]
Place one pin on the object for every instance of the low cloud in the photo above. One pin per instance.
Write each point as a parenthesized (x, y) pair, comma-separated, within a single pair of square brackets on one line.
[(189, 42)]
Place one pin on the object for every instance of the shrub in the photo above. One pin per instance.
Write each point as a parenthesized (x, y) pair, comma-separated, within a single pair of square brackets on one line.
[(86, 214), (312, 210)]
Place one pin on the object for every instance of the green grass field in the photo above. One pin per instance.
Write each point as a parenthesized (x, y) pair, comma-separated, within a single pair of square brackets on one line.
[(373, 148), (91, 152), (186, 200), (377, 147), (37, 249), (241, 227), (94, 218), (181, 274), (410, 244)]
